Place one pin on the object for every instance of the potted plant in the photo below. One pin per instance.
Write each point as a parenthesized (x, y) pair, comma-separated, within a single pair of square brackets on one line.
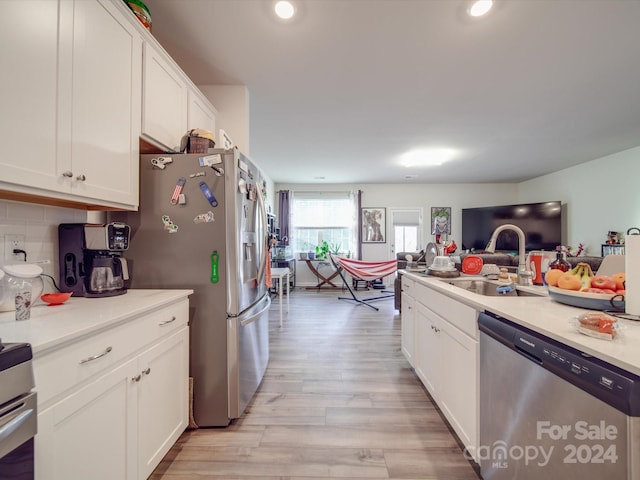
[(311, 253), (322, 250)]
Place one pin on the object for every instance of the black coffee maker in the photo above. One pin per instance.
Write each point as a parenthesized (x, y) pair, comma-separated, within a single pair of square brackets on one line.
[(90, 256)]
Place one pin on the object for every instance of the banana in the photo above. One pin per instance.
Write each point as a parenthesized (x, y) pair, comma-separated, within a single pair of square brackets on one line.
[(584, 273)]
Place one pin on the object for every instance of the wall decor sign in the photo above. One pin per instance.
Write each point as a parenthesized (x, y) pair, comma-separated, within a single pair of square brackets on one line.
[(440, 220), (374, 221)]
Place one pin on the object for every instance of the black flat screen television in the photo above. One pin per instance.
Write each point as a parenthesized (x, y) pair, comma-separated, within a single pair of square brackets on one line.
[(541, 223)]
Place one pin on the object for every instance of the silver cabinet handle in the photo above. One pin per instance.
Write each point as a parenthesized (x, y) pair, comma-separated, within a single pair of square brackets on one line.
[(173, 319), (95, 357), (81, 178), (67, 174), (146, 371), (136, 378)]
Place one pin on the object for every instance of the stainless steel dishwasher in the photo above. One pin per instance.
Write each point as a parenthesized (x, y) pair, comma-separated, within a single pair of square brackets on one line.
[(550, 411)]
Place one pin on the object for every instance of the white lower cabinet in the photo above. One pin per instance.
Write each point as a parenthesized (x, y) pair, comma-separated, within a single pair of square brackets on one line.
[(89, 434), (407, 328), (162, 400), (120, 422), (446, 359)]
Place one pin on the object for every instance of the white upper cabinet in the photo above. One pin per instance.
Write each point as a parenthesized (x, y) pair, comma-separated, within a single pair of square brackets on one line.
[(72, 123), (201, 113), (171, 104), (106, 58), (28, 52), (164, 101)]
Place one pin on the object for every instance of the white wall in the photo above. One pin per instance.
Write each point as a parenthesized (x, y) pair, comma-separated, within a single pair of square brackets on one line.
[(232, 104), (456, 196), (600, 195)]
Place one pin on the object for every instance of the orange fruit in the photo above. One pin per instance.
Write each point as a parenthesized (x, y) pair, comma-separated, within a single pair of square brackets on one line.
[(619, 279), (551, 277), (569, 282)]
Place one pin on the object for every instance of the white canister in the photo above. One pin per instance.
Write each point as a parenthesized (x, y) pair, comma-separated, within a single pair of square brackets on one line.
[(19, 279)]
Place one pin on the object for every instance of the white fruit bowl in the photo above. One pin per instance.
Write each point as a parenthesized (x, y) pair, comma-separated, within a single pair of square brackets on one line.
[(592, 301)]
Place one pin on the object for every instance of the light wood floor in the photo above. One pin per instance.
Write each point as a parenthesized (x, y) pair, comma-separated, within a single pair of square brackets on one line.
[(338, 401)]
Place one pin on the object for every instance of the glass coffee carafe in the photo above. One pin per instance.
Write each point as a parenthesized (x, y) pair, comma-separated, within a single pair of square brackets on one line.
[(105, 274)]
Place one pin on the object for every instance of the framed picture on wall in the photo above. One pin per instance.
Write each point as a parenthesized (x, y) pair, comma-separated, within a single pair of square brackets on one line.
[(374, 221), (440, 220)]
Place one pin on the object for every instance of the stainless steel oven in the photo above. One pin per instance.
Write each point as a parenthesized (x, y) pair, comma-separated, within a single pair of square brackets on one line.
[(18, 412)]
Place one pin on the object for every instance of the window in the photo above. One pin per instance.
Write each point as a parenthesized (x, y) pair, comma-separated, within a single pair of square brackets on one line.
[(406, 238), (328, 216)]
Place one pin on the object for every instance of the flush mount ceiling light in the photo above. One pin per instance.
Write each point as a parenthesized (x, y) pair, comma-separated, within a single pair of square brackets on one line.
[(480, 8), (427, 157), (284, 9)]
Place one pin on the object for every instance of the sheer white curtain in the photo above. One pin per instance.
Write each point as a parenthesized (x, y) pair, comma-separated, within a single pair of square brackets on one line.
[(355, 199)]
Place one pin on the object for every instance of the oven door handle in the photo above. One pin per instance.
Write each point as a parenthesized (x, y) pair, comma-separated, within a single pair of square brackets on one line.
[(14, 424)]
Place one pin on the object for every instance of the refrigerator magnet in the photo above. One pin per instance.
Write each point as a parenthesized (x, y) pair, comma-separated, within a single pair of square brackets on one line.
[(169, 225), (208, 194), (205, 217), (175, 197)]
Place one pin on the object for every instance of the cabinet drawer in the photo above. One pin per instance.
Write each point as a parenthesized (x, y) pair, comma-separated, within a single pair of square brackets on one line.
[(462, 316), (81, 361), (408, 285)]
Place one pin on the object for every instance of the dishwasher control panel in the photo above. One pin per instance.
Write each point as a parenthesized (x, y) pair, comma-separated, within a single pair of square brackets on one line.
[(610, 384)]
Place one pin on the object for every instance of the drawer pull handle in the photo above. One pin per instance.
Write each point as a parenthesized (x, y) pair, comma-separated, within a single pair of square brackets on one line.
[(67, 174), (173, 319), (136, 378), (81, 178), (147, 371), (95, 357)]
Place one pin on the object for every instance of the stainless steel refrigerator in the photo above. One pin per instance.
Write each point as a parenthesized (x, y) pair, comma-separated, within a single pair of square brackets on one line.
[(202, 225)]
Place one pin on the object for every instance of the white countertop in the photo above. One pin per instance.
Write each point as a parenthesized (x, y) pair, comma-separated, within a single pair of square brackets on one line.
[(52, 326), (552, 319)]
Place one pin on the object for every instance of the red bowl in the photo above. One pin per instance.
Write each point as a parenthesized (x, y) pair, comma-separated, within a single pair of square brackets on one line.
[(55, 298)]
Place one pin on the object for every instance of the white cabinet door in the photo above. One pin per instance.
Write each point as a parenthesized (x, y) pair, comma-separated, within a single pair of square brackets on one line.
[(427, 353), (201, 113), (162, 399), (458, 391), (28, 53), (71, 104), (91, 433), (103, 126), (407, 328), (164, 99)]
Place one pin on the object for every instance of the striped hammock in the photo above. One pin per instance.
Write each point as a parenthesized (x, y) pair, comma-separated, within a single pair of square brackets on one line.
[(367, 271)]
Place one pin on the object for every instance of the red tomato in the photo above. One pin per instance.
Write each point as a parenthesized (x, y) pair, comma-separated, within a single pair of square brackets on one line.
[(621, 292), (608, 291), (604, 281), (593, 290)]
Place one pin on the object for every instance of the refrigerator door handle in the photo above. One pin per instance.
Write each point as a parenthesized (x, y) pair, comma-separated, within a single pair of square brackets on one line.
[(255, 316), (264, 240)]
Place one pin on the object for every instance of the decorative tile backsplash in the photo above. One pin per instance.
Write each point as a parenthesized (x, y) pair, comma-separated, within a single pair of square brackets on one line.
[(39, 225)]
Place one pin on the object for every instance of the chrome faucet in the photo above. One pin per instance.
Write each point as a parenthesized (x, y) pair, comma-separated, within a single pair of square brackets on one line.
[(525, 277)]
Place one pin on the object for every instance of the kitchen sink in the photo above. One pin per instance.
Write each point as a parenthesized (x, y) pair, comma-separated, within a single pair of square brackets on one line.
[(490, 288)]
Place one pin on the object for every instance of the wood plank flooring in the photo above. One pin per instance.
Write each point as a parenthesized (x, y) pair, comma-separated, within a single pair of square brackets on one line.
[(338, 401)]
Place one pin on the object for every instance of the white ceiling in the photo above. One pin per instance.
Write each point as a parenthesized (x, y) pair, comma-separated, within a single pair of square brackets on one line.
[(350, 85)]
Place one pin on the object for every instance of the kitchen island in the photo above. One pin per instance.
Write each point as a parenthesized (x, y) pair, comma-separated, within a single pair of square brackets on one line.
[(112, 379), (441, 341), (550, 318)]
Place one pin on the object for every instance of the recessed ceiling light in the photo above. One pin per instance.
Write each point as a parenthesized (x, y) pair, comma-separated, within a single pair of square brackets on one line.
[(284, 9), (427, 157), (480, 7)]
